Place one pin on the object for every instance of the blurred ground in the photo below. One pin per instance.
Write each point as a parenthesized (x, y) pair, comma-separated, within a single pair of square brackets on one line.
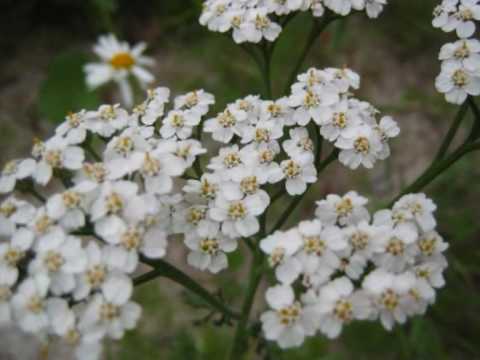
[(396, 56)]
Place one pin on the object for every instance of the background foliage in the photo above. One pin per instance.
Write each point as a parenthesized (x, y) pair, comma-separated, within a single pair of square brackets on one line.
[(40, 80)]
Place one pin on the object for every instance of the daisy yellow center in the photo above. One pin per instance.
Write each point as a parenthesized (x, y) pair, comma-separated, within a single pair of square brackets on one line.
[(209, 246), (291, 169), (343, 310), (361, 145), (237, 210), (96, 275), (122, 61), (290, 314)]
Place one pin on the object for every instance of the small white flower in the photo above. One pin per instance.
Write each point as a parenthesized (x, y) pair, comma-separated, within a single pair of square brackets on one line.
[(14, 212), (311, 102), (118, 62), (14, 171), (398, 250), (74, 128), (179, 123), (208, 247), (462, 20), (464, 53), (258, 25), (339, 304), (288, 323), (238, 217), (187, 151), (111, 313), (227, 124), (29, 305), (339, 120), (57, 154), (346, 210), (420, 208), (457, 83), (107, 120), (153, 107), (299, 144), (298, 172), (390, 295), (196, 102)]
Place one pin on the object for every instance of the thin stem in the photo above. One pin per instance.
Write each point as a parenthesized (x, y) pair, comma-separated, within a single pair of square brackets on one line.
[(164, 269), (317, 29), (286, 214), (452, 131), (241, 333), (475, 133), (436, 169)]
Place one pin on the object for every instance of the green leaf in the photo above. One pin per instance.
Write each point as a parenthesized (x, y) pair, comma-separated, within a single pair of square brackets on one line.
[(65, 90), (105, 5)]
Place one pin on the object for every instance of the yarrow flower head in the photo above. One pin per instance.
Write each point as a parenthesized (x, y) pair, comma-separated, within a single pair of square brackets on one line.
[(253, 21)]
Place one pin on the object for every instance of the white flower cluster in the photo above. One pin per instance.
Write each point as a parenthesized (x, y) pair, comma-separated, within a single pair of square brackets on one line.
[(460, 73), (342, 267), (66, 266), (254, 20)]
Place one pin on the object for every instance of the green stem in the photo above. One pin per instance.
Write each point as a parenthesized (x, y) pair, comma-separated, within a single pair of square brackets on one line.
[(475, 133), (317, 28), (163, 269), (452, 131), (240, 341), (436, 169), (296, 201), (267, 70)]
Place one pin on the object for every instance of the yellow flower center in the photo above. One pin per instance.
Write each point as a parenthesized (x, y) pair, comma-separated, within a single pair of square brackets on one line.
[(195, 215), (463, 51), (208, 190), (124, 145), (314, 245), (191, 99), (122, 61), (266, 156), (395, 247), (274, 110), (35, 304), (310, 100), (389, 299), (427, 245), (178, 121), (95, 171), (114, 203), (71, 199), (232, 160), (8, 209), (10, 168), (131, 239), (237, 210), (340, 120), (96, 275), (262, 135), (290, 314), (54, 158), (359, 240), (209, 246), (13, 256), (291, 169), (226, 119), (151, 166), (53, 261), (362, 145), (276, 257), (43, 223), (249, 185), (109, 312), (343, 310), (460, 78), (5, 293), (344, 207)]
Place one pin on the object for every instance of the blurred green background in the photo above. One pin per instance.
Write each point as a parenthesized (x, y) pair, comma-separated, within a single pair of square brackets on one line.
[(44, 44)]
